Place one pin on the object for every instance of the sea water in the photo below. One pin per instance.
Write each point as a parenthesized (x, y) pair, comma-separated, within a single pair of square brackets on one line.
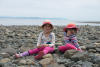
[(7, 21)]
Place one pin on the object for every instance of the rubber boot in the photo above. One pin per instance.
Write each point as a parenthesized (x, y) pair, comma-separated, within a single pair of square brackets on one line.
[(40, 55)]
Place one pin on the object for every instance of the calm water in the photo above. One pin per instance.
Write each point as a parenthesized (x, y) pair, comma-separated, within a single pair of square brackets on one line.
[(6, 21)]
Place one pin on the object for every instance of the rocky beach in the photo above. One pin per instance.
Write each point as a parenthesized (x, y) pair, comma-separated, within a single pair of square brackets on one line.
[(17, 39)]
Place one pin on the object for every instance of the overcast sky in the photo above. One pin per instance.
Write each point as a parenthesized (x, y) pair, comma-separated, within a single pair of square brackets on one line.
[(84, 10)]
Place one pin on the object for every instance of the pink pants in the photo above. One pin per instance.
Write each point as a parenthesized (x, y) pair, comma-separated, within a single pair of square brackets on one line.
[(44, 49), (66, 47)]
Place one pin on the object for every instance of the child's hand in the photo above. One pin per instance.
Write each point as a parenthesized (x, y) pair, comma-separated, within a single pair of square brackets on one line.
[(45, 45), (39, 46)]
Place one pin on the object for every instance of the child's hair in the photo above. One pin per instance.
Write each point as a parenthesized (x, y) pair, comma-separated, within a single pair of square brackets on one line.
[(73, 30)]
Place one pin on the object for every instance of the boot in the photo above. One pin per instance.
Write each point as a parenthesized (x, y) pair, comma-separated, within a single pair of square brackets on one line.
[(39, 56)]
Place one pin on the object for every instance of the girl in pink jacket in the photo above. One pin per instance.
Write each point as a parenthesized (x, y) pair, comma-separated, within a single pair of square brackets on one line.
[(45, 44)]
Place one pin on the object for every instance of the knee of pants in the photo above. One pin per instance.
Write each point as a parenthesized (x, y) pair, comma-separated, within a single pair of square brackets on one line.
[(61, 48), (45, 51), (70, 46), (49, 49), (33, 51)]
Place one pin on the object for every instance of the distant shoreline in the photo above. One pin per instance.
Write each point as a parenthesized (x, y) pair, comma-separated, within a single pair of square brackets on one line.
[(90, 22)]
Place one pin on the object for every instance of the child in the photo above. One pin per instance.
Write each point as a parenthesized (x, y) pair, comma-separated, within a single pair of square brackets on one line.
[(45, 44), (70, 38)]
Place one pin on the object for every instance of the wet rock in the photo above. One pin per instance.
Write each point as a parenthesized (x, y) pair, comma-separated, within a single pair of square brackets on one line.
[(98, 50), (96, 65), (96, 59), (97, 44), (2, 41), (21, 66), (92, 50), (76, 66), (9, 65), (5, 60), (8, 50), (87, 64), (29, 62), (92, 46), (23, 49), (22, 62), (63, 61), (80, 56), (48, 56), (4, 55), (1, 65), (57, 65), (26, 62), (69, 64), (46, 61), (92, 37), (83, 47), (80, 62), (26, 47)]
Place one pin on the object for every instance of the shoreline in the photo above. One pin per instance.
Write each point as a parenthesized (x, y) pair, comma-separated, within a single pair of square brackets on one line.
[(90, 22), (53, 25)]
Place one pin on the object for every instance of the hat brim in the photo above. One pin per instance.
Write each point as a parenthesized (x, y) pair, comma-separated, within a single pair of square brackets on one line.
[(71, 28), (47, 24)]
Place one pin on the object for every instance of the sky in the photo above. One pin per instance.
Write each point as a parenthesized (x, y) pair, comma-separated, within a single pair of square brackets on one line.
[(78, 10)]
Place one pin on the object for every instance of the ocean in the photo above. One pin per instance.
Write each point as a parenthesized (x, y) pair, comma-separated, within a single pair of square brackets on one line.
[(23, 21)]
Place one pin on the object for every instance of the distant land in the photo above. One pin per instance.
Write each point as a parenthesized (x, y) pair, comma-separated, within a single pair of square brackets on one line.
[(22, 17), (93, 22)]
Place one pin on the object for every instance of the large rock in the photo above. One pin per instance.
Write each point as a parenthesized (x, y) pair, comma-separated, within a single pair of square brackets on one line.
[(97, 45), (80, 56), (46, 61), (76, 65), (5, 60), (26, 62), (1, 65), (4, 55), (9, 65), (92, 50), (48, 56), (8, 50), (98, 50), (30, 62), (26, 47), (92, 46), (22, 62), (96, 59), (63, 61), (87, 64), (21, 66), (69, 53), (83, 47)]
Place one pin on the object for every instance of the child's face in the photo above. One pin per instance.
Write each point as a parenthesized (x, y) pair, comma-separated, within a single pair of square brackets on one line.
[(47, 28), (70, 31)]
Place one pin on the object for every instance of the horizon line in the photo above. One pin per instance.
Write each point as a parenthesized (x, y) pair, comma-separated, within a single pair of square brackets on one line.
[(29, 17)]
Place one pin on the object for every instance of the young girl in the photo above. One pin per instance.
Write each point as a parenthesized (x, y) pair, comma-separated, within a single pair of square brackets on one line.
[(70, 38), (45, 44)]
